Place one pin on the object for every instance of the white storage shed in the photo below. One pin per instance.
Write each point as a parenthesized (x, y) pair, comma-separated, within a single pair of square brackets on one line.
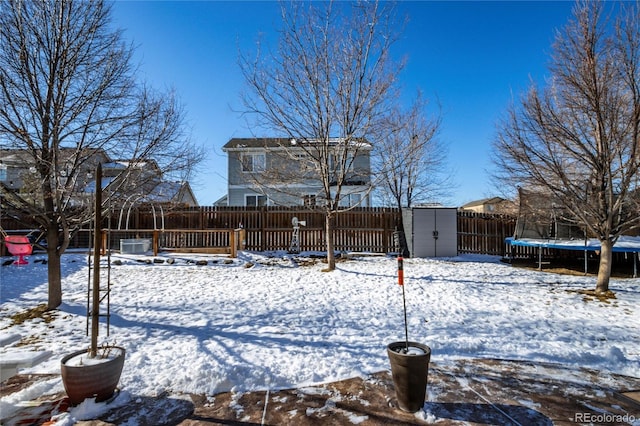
[(431, 231)]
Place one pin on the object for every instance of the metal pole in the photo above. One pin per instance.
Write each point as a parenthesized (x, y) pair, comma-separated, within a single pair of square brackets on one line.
[(404, 301), (540, 258), (406, 329), (96, 264), (586, 264)]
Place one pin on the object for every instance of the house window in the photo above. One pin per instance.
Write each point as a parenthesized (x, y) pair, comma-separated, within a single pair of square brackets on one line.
[(255, 200), (350, 200), (253, 162), (309, 200), (335, 165)]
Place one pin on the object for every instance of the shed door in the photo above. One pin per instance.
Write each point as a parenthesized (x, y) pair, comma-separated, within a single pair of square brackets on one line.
[(435, 232)]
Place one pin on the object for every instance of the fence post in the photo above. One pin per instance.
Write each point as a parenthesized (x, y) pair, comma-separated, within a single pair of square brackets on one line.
[(103, 243), (232, 243), (156, 242), (243, 239), (263, 219)]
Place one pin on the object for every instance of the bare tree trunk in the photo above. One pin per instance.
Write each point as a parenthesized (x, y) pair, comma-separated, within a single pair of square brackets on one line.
[(402, 237), (53, 269), (331, 258), (604, 268)]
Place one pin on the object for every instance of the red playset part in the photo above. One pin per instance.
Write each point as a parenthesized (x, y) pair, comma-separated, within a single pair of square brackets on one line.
[(20, 246)]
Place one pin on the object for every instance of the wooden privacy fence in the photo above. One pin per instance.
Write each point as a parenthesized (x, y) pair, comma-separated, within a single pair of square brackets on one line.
[(359, 230), (270, 228), (481, 233)]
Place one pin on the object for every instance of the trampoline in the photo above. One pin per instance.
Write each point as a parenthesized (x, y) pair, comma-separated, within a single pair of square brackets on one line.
[(625, 244), (544, 223)]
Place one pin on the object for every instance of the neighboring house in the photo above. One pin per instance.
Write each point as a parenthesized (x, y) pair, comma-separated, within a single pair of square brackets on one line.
[(173, 193), (495, 205), (17, 171), (260, 173), (17, 174), (221, 202), (150, 185), (12, 169)]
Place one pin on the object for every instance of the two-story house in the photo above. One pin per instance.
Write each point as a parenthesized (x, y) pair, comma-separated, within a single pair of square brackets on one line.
[(282, 171)]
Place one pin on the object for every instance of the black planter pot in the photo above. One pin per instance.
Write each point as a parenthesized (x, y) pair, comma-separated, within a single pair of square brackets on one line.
[(92, 380), (409, 372)]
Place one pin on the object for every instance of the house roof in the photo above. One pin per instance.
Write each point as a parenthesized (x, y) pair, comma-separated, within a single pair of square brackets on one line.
[(239, 143), (163, 192), (22, 156), (12, 156), (244, 143), (484, 201), (168, 191), (139, 164), (91, 185)]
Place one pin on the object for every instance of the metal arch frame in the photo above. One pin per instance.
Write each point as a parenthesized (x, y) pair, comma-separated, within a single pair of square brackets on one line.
[(134, 202)]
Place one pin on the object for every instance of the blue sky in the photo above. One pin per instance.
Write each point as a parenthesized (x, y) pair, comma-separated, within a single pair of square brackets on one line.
[(473, 57)]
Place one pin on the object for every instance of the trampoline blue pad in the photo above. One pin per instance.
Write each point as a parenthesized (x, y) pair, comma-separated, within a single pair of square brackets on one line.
[(625, 243)]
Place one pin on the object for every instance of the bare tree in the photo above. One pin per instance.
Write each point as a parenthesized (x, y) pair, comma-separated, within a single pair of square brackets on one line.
[(68, 94), (410, 158), (578, 139), (326, 87)]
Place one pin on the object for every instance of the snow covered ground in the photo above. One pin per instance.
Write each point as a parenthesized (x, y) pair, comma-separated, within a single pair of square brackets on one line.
[(270, 321)]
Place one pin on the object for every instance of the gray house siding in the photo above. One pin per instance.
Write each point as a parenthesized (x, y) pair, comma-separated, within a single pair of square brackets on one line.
[(242, 183), (11, 175)]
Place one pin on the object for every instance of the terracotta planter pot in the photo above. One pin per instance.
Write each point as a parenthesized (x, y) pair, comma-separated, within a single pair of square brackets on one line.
[(409, 372), (95, 380)]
